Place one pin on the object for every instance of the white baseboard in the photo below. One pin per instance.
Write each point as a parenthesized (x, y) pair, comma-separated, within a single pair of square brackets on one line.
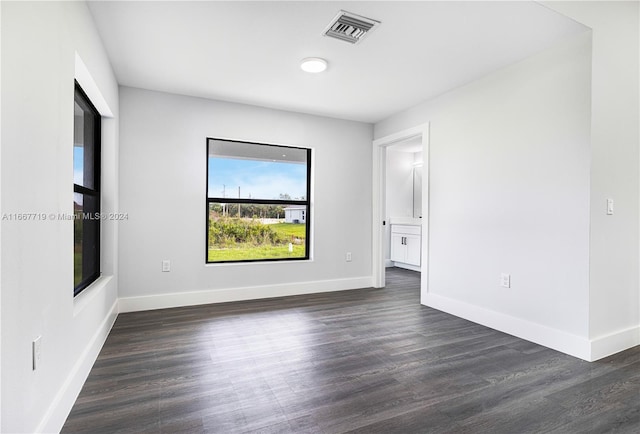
[(407, 266), (559, 340), (60, 408), (615, 342), (192, 298)]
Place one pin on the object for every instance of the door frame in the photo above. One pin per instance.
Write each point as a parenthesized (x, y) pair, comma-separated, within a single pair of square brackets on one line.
[(379, 202)]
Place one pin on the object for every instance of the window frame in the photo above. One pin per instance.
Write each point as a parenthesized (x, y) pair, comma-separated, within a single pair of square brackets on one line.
[(285, 202), (95, 192)]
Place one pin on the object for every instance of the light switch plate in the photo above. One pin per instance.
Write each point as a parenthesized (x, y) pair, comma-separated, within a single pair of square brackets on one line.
[(609, 206)]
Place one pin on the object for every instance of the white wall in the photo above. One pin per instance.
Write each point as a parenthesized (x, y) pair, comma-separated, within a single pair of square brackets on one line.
[(399, 180), (39, 45), (399, 189), (163, 170), (0, 214), (614, 294), (509, 193)]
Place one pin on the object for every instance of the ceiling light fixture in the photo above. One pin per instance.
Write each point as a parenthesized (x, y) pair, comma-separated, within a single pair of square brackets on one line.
[(313, 64)]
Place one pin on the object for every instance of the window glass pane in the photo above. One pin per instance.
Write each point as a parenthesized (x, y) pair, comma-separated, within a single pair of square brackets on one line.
[(84, 146), (251, 171), (247, 231), (91, 237), (78, 145), (77, 239), (86, 235)]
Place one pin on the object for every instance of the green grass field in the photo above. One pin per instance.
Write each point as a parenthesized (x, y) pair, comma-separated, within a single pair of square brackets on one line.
[(242, 252), (297, 230), (253, 252)]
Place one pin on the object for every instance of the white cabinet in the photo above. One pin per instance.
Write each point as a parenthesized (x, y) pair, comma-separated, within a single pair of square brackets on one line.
[(398, 250), (406, 244)]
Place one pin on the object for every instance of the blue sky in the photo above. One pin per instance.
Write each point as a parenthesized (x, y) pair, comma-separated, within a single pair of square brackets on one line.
[(257, 179), (78, 164)]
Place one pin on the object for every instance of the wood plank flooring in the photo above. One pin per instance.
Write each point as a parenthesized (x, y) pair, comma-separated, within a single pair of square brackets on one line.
[(364, 361)]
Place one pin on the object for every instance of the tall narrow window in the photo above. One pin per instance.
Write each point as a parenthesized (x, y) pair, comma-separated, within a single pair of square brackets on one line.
[(86, 192), (257, 202)]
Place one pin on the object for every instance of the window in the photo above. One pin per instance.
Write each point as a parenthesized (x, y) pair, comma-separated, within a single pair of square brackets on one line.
[(257, 202), (86, 192)]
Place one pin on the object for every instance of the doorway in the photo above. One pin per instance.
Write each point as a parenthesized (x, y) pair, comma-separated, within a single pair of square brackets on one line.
[(420, 135)]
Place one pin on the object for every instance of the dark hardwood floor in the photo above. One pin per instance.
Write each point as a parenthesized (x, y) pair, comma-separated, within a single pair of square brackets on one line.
[(368, 361)]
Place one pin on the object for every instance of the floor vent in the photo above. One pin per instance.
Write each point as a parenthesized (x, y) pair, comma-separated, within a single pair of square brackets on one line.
[(350, 27)]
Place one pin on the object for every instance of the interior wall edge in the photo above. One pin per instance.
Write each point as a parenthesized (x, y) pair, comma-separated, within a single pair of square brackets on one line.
[(61, 406), (615, 342)]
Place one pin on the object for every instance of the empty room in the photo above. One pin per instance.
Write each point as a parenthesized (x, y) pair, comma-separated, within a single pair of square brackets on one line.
[(320, 216)]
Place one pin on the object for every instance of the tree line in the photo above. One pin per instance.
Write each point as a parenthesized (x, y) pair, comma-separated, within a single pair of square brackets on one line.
[(248, 210)]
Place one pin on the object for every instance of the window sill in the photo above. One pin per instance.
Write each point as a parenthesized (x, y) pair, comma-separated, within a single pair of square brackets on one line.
[(85, 297), (270, 263)]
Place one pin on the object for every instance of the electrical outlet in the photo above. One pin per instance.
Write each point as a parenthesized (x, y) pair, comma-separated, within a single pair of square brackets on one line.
[(505, 280), (348, 257), (36, 352), (166, 266)]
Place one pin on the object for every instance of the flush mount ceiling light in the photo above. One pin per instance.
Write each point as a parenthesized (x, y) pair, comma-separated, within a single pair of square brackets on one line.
[(313, 64)]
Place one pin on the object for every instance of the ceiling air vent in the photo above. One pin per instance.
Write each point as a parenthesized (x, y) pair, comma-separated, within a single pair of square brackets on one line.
[(350, 27)]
